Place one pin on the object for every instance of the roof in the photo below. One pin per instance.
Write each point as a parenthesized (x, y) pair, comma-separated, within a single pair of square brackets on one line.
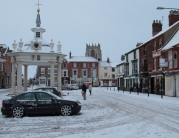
[(110, 64), (4, 45), (81, 59), (173, 41), (161, 32)]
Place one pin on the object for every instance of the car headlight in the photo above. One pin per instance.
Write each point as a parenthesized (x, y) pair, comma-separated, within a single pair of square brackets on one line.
[(78, 102)]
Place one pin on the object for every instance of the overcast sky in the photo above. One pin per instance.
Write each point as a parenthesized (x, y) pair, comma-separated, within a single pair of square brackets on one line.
[(117, 25)]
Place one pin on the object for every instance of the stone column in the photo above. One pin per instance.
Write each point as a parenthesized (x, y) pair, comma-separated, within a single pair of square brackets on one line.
[(19, 76), (59, 77), (25, 77), (52, 74), (13, 78)]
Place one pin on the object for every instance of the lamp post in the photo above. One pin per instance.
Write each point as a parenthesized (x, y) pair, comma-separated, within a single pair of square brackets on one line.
[(92, 75), (161, 8)]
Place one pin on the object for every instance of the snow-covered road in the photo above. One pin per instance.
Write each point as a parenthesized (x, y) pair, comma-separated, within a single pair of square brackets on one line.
[(105, 114)]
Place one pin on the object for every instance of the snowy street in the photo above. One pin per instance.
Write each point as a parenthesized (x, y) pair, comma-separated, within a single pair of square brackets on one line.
[(105, 114)]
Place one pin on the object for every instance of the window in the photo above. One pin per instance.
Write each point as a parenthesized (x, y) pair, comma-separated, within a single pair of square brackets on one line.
[(113, 76), (74, 65), (64, 65), (42, 70), (134, 68), (155, 64), (93, 64), (55, 70), (1, 66), (64, 73), (126, 69), (44, 96), (42, 81), (38, 34), (126, 58), (113, 69), (105, 74), (27, 96), (105, 68), (84, 65), (75, 73), (122, 68), (160, 42), (170, 59), (84, 73), (155, 45), (175, 59), (145, 49), (48, 70), (135, 54)]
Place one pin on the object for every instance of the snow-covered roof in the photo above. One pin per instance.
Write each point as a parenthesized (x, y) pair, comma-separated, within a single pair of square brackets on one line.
[(161, 32), (173, 41), (4, 45), (81, 59), (110, 64)]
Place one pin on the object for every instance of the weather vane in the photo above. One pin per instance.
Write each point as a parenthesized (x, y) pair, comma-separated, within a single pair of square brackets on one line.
[(38, 4)]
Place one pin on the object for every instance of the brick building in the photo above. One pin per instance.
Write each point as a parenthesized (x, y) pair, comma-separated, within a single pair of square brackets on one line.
[(150, 54)]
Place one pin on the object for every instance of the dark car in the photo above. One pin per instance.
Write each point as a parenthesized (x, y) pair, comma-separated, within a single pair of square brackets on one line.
[(50, 89), (39, 103)]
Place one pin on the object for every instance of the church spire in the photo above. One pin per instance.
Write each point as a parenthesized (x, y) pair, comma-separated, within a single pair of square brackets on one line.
[(38, 21)]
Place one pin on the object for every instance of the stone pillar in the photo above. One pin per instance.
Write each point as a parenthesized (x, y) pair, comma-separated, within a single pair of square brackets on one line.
[(59, 77), (52, 75), (19, 76), (13, 78), (25, 77)]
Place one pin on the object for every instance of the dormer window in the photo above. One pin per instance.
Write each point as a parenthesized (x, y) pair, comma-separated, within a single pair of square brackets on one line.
[(38, 34)]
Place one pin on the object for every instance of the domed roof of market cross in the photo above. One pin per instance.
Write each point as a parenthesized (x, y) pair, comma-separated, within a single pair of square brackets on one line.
[(37, 44)]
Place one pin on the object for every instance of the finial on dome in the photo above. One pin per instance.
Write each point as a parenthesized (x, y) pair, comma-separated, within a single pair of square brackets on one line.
[(38, 10)]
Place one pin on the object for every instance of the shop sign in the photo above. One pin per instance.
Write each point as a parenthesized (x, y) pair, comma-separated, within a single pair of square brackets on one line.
[(156, 54)]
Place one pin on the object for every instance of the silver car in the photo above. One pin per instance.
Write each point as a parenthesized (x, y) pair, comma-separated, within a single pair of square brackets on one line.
[(67, 87)]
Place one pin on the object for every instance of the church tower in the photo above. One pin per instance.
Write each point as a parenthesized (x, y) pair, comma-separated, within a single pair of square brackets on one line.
[(93, 51)]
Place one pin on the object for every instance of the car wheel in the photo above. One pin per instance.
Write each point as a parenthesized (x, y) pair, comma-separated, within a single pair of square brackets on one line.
[(18, 111), (66, 110)]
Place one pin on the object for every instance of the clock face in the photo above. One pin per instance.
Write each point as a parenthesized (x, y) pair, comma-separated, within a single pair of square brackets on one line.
[(36, 45)]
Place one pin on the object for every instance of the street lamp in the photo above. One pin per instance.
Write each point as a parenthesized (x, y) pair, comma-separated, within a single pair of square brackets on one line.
[(161, 8), (92, 75)]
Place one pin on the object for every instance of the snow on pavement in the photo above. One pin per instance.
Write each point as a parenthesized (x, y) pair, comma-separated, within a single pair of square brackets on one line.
[(105, 114)]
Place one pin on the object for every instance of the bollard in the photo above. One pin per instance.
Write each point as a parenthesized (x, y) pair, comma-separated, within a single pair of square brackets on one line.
[(148, 93), (107, 88), (161, 95), (114, 89), (110, 88)]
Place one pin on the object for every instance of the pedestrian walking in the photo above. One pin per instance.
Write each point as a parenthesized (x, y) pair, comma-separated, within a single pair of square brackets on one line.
[(90, 89), (84, 91)]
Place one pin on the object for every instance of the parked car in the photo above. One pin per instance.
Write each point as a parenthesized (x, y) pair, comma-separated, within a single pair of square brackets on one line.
[(50, 89), (75, 86), (67, 87), (39, 103)]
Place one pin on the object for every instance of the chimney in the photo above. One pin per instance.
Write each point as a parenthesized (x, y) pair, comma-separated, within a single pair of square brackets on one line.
[(156, 27), (173, 17), (108, 60), (138, 44), (70, 54)]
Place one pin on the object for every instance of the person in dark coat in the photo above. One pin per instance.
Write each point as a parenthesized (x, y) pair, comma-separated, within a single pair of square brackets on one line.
[(84, 91)]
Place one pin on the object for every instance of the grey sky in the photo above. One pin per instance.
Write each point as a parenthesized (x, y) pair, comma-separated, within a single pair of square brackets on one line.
[(116, 24)]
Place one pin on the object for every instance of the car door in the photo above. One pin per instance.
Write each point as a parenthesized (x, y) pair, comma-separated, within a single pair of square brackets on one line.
[(29, 102), (46, 103)]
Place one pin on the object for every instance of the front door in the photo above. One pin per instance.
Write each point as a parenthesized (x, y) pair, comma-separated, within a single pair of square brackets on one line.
[(29, 102), (46, 104)]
